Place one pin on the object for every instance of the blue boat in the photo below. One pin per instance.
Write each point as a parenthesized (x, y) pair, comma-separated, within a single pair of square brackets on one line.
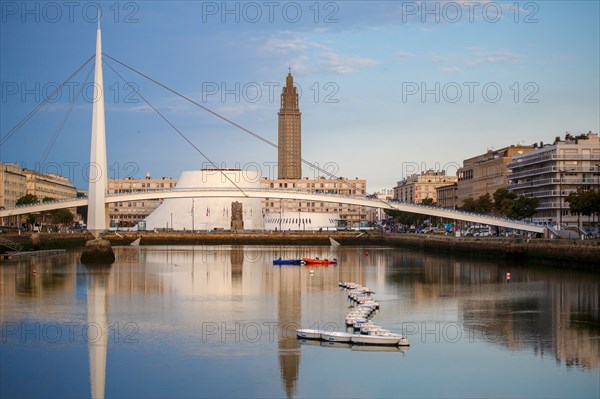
[(287, 261)]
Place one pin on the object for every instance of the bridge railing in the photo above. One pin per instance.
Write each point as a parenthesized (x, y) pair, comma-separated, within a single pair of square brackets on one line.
[(391, 203), (54, 201), (365, 197)]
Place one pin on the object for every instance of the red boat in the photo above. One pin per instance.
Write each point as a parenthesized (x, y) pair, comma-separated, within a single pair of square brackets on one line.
[(318, 261)]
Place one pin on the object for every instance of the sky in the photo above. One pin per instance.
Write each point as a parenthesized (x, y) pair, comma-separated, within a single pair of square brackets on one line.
[(389, 88)]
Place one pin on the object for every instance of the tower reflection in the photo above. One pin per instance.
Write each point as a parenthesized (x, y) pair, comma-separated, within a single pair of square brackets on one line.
[(98, 278)]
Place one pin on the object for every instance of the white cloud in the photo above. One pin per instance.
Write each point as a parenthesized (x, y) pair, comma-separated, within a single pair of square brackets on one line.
[(451, 69), (476, 56), (346, 64), (405, 55), (307, 56)]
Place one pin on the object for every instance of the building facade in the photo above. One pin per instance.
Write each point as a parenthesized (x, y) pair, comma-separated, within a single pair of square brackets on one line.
[(289, 133), (129, 213), (351, 214), (13, 185), (447, 196), (16, 182), (551, 172), (418, 187), (49, 185), (486, 173)]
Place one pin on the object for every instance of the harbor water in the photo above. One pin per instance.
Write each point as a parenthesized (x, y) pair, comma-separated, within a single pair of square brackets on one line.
[(220, 321)]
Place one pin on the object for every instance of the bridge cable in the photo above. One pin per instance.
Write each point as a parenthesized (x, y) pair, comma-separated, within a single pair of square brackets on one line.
[(225, 119), (64, 119), (39, 106), (177, 130)]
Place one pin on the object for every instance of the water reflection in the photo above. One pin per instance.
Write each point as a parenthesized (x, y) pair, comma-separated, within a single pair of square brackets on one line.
[(98, 277), (173, 292), (548, 311)]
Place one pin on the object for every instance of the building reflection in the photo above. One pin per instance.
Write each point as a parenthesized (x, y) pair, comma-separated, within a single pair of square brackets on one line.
[(549, 311)]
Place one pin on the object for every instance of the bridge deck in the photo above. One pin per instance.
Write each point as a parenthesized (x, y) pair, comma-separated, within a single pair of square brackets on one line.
[(282, 194)]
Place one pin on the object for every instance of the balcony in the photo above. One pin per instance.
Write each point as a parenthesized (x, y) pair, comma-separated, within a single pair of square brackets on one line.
[(554, 169), (553, 182), (533, 159)]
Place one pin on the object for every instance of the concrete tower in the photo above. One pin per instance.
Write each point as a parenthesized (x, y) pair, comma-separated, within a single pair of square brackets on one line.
[(98, 182), (290, 133)]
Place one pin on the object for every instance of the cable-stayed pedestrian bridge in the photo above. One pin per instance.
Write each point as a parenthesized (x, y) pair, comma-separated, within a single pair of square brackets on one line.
[(220, 192)]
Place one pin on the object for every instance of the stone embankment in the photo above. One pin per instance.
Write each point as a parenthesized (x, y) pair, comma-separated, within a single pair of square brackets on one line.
[(584, 254)]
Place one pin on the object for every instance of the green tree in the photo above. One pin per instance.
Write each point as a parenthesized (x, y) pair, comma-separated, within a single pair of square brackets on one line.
[(576, 203), (405, 218), (27, 199), (82, 210), (63, 216), (469, 205), (503, 200), (485, 203), (428, 201), (523, 207), (585, 203)]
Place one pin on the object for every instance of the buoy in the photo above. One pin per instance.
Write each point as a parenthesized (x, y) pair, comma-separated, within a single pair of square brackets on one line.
[(508, 276)]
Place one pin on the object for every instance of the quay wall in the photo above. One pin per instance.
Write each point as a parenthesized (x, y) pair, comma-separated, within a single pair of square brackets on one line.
[(580, 254)]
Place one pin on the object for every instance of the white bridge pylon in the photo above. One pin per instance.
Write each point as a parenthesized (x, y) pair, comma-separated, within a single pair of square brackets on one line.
[(283, 194)]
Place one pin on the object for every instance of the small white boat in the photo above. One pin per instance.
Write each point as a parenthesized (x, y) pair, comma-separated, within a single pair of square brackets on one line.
[(330, 344), (376, 339), (309, 333), (336, 336)]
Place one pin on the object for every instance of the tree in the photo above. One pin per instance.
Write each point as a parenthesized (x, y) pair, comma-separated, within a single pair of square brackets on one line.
[(482, 204), (27, 199), (585, 203), (503, 200), (405, 218), (523, 207), (575, 203), (82, 210), (428, 201), (469, 205), (485, 204), (63, 216)]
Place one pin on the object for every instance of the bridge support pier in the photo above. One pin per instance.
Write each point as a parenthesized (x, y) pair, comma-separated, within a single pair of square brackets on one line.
[(97, 251)]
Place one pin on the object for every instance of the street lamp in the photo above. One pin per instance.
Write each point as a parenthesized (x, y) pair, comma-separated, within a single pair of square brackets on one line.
[(172, 229), (559, 198)]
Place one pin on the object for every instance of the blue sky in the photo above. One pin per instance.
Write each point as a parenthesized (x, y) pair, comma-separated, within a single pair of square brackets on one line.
[(387, 87)]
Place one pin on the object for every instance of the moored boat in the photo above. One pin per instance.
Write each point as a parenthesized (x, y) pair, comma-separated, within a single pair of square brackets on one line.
[(336, 336), (309, 333), (287, 261), (376, 339), (317, 261)]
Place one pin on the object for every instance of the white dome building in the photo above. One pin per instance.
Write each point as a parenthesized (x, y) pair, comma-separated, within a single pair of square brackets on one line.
[(209, 213)]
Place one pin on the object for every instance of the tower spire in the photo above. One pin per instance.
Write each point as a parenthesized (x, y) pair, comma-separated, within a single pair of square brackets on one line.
[(97, 168), (290, 133)]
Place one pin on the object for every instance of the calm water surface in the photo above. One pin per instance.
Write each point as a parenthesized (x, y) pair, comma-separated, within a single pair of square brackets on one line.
[(207, 321)]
